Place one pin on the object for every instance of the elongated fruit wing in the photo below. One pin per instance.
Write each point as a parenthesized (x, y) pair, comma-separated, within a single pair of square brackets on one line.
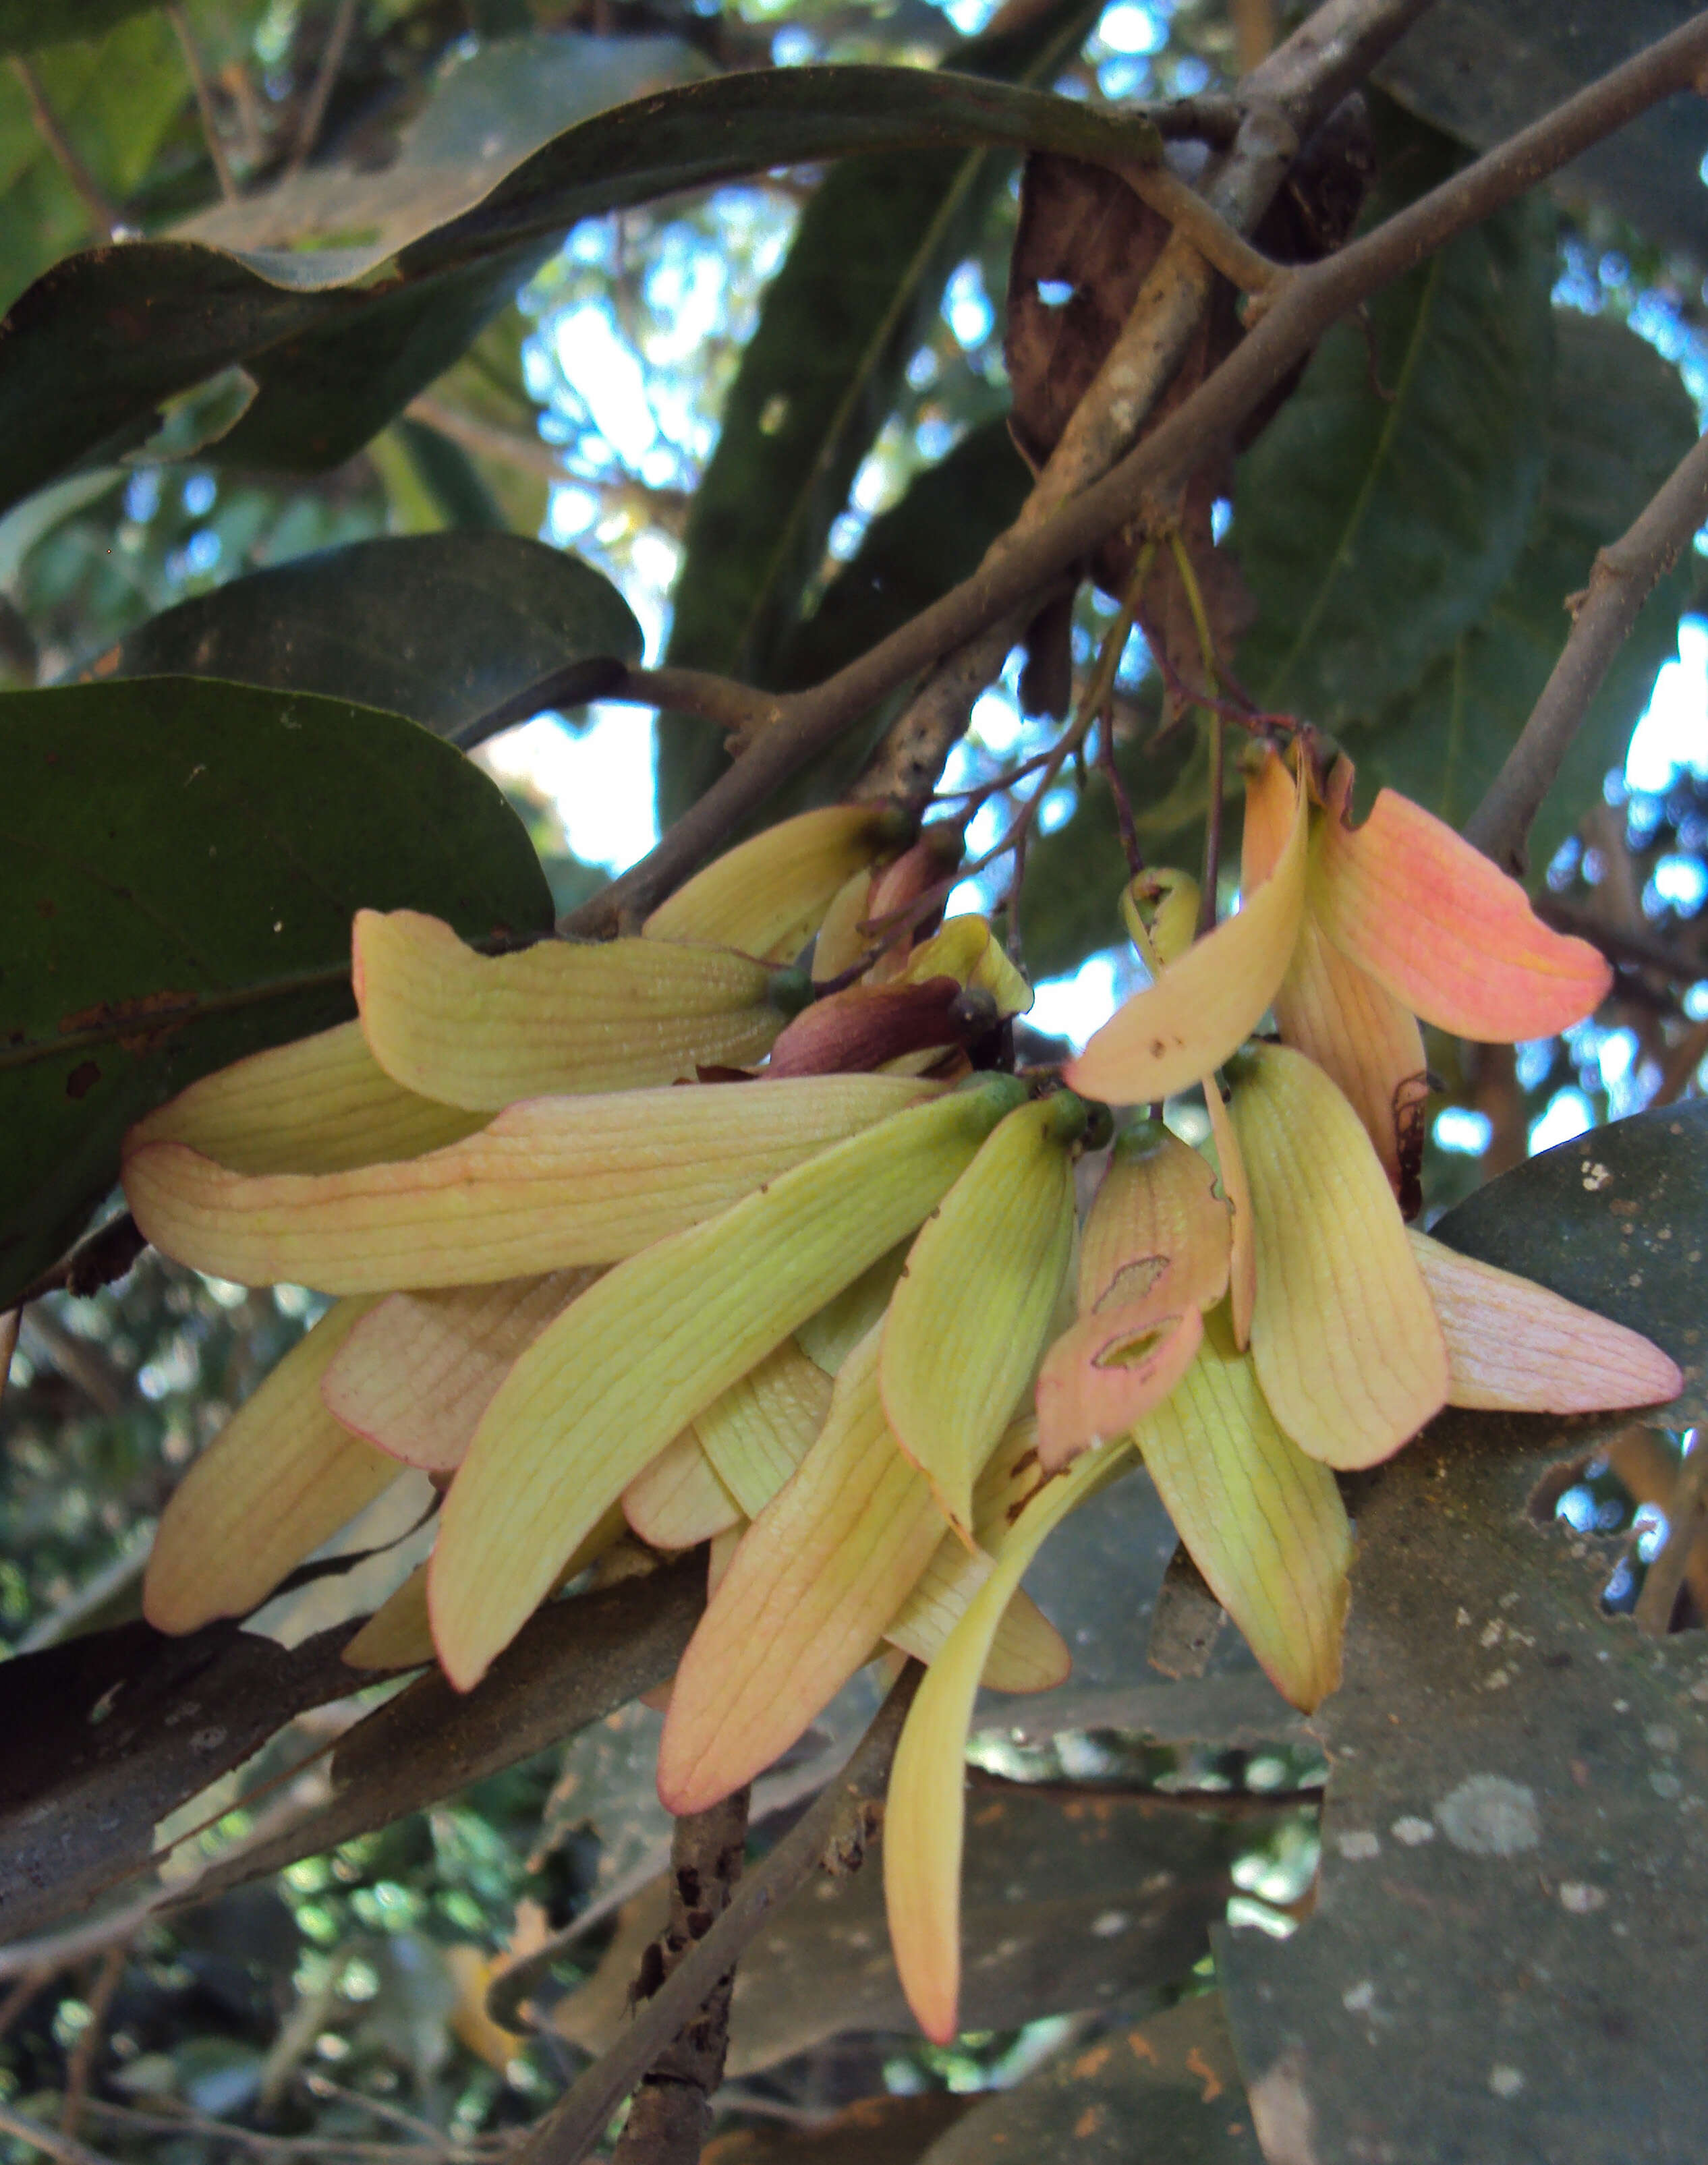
[(969, 1317), (279, 1478), (1263, 1523), (1514, 1345), (1347, 1348), (925, 1820), (482, 1030), (1205, 1006), (630, 1363), (549, 1184)]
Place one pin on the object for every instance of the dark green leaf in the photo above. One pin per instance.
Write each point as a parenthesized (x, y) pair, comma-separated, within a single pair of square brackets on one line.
[(1043, 1865), (1373, 525), (115, 97), (340, 339), (449, 479), (1618, 422), (181, 859), (441, 627), (1484, 69), (1510, 1867), (1174, 2076), (24, 24), (909, 556), (821, 374)]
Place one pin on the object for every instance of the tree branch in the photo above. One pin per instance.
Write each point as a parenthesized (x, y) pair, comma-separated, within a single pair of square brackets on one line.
[(314, 112), (672, 2114), (837, 1822), (1305, 308), (204, 101), (1620, 581), (87, 189)]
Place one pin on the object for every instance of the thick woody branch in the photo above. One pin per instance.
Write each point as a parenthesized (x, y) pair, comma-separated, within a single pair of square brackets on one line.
[(1304, 308), (836, 1822), (1621, 579)]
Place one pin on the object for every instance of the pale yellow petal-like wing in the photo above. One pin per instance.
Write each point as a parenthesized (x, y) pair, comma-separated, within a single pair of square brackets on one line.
[(1242, 1238), (1263, 1523), (677, 1501), (321, 1104), (1159, 910), (416, 1374), (280, 1477), (552, 1182), (1205, 1006), (1368, 1043), (969, 952), (626, 1368), (399, 1634), (768, 896), (482, 1030), (969, 1317), (842, 940), (1155, 1225), (1108, 1371), (1443, 929), (829, 1337), (819, 1575), (1336, 1014), (1514, 1345), (1347, 1348), (764, 1425), (925, 1820), (1028, 1654)]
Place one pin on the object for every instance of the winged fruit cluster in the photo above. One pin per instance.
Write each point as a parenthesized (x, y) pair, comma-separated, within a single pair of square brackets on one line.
[(646, 1238)]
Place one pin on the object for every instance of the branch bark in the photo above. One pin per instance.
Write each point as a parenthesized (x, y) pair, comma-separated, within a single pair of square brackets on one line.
[(1304, 309), (672, 2114), (837, 1821), (1620, 581)]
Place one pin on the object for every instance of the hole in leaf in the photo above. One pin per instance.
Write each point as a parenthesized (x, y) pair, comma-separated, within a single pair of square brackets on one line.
[(1620, 1493), (1054, 292)]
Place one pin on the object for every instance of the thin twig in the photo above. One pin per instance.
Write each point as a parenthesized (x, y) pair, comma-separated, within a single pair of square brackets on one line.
[(204, 101), (1307, 307), (314, 112), (80, 2063), (1682, 1060), (187, 2122), (322, 2086), (82, 1365), (575, 2124), (1218, 730), (48, 2140), (23, 1990), (1221, 245), (1685, 1507), (1620, 581), (100, 213), (1680, 964)]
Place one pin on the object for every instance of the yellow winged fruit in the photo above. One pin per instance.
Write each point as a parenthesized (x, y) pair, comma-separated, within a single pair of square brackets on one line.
[(619, 1241)]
